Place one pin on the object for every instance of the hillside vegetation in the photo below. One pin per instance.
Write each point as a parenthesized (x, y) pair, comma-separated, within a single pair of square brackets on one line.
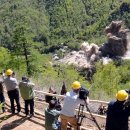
[(61, 21), (32, 29)]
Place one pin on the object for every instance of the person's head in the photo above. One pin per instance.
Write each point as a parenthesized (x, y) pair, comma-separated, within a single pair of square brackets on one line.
[(52, 104), (122, 95), (9, 72), (76, 86), (25, 79), (13, 74)]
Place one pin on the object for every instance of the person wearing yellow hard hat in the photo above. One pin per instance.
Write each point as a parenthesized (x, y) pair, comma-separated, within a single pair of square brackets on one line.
[(12, 90), (71, 101), (8, 72), (118, 113)]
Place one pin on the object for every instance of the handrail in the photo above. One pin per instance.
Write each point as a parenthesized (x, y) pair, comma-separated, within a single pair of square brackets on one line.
[(50, 94), (62, 96), (85, 112)]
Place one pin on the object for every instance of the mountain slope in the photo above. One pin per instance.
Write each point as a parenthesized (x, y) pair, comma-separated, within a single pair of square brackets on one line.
[(61, 21)]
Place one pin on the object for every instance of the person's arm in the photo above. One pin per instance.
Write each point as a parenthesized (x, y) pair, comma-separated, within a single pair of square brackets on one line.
[(3, 85), (15, 81), (19, 84), (32, 85), (87, 100), (57, 112)]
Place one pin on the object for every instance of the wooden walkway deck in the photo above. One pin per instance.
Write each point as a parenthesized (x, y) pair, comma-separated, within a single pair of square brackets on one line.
[(21, 122)]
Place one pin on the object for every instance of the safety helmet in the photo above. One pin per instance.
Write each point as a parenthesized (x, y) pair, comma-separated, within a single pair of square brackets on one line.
[(76, 85), (122, 95), (9, 72)]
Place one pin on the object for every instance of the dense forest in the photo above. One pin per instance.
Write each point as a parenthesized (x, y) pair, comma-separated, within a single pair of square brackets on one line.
[(31, 30)]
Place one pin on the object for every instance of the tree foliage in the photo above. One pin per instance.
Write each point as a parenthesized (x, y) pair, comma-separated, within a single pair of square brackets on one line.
[(4, 57), (61, 21), (110, 78), (107, 77)]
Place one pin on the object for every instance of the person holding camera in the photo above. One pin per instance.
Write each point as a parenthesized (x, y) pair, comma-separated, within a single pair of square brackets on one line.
[(118, 113), (27, 92), (71, 101), (51, 117)]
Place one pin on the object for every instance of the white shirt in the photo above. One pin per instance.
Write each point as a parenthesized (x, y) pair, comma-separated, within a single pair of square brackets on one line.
[(71, 101), (10, 83)]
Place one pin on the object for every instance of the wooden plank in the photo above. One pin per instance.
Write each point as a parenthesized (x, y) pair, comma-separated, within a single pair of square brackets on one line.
[(50, 94), (85, 128)]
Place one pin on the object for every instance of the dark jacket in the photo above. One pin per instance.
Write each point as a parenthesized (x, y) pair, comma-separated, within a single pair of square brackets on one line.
[(2, 99), (1, 88), (117, 116)]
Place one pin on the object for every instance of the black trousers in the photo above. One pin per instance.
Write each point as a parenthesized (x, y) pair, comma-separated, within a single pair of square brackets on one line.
[(29, 102), (14, 96)]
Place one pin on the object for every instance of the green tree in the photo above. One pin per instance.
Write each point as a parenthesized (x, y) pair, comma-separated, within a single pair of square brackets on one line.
[(23, 45), (4, 57), (107, 78)]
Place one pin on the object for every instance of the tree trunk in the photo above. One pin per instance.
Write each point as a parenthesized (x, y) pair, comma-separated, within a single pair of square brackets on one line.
[(26, 59)]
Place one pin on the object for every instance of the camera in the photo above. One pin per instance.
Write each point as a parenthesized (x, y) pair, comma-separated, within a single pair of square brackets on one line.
[(127, 102), (128, 91), (83, 93), (58, 105)]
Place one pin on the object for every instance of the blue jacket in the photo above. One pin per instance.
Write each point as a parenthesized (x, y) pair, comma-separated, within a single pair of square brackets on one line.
[(117, 116)]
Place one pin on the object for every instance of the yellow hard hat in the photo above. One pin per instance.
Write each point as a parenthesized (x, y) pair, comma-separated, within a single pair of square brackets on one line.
[(76, 85), (122, 95), (9, 72)]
